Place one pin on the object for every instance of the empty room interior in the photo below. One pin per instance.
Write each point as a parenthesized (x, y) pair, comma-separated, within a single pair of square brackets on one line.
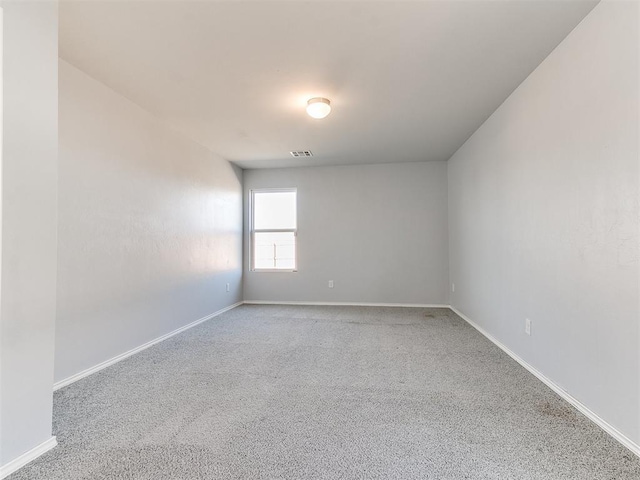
[(320, 239)]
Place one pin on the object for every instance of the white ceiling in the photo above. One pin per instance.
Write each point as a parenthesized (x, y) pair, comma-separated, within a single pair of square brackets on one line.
[(408, 81)]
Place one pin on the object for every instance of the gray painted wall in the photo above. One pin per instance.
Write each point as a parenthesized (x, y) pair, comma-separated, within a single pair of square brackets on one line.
[(29, 191), (544, 218), (378, 231), (150, 227)]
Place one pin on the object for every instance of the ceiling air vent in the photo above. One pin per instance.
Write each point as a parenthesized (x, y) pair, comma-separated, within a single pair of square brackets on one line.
[(302, 153)]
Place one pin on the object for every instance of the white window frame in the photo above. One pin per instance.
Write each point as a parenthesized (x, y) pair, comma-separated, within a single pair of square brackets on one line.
[(253, 231)]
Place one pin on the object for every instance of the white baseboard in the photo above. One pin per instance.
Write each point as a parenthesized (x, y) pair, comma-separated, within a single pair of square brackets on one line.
[(348, 304), (17, 463), (620, 437), (122, 356)]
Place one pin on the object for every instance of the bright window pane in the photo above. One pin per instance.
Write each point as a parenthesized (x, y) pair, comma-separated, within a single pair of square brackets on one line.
[(274, 210), (274, 250)]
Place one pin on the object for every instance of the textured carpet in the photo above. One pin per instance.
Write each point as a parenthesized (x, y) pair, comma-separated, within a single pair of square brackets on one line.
[(275, 392)]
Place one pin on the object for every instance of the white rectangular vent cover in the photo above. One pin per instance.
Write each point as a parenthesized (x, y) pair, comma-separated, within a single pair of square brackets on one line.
[(302, 153)]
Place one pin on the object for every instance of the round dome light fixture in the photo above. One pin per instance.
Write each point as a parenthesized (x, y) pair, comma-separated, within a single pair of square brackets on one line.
[(318, 107)]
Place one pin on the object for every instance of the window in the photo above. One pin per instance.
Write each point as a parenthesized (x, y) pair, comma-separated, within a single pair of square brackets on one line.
[(273, 229)]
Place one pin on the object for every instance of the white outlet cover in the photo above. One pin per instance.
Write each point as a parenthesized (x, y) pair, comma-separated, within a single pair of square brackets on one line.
[(330, 283), (527, 326)]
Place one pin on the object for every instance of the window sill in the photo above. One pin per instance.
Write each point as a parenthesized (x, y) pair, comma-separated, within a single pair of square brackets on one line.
[(272, 270)]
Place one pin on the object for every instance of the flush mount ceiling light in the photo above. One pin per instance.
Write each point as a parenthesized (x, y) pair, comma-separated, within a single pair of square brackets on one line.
[(318, 107)]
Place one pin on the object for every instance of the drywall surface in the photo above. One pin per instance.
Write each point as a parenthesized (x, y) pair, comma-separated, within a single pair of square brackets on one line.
[(544, 218), (378, 231), (29, 191), (150, 227)]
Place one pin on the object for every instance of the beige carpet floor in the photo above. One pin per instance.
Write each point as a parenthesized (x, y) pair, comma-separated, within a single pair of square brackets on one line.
[(284, 392)]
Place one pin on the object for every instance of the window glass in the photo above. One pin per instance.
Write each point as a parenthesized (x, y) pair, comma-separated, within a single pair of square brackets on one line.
[(273, 229), (275, 250), (274, 210)]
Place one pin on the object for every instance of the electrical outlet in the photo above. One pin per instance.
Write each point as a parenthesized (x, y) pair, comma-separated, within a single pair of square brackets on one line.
[(527, 326), (330, 283), (228, 287), (453, 287)]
